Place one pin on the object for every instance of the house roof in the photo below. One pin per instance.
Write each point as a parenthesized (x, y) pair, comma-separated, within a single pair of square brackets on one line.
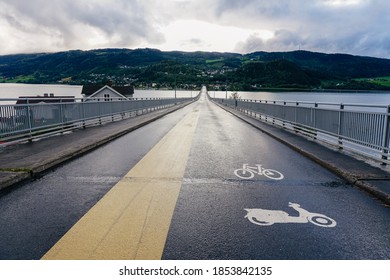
[(88, 90), (44, 99), (109, 88)]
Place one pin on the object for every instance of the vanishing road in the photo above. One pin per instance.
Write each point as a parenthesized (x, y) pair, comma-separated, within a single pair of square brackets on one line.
[(196, 184)]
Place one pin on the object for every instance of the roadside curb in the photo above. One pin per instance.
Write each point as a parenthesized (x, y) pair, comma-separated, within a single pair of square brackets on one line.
[(341, 172), (9, 179), (374, 191)]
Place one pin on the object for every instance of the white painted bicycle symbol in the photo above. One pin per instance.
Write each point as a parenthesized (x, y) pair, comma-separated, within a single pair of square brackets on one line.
[(264, 217), (248, 172)]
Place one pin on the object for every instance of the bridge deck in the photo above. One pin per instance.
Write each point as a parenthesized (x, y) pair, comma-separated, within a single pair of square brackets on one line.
[(197, 184)]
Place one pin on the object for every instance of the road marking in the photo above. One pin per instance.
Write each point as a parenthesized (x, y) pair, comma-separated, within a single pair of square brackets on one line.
[(264, 217), (248, 172), (132, 220)]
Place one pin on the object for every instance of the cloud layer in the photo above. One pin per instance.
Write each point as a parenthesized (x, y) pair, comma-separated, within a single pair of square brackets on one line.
[(346, 26)]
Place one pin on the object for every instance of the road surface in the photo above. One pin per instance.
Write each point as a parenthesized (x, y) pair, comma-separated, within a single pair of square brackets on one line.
[(197, 184)]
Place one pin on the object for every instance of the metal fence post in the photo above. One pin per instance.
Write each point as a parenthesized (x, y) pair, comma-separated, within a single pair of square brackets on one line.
[(29, 117), (315, 119), (386, 137), (296, 117), (83, 112), (340, 142), (62, 115), (112, 110), (99, 104), (273, 117)]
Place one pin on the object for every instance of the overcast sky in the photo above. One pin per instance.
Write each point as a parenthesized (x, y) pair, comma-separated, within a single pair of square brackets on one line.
[(358, 27)]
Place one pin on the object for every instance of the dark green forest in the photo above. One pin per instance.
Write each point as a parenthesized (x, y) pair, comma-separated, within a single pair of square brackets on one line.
[(154, 68)]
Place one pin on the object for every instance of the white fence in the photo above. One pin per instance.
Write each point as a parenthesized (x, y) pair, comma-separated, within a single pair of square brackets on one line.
[(362, 129), (28, 120)]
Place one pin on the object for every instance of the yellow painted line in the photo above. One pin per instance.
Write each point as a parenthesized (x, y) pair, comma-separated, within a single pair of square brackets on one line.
[(132, 220)]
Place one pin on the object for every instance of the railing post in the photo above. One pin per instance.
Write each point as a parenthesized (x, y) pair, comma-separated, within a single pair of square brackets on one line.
[(255, 108), (100, 112), (112, 110), (386, 137), (29, 117), (62, 116), (273, 117), (296, 117), (83, 112), (315, 119), (340, 142)]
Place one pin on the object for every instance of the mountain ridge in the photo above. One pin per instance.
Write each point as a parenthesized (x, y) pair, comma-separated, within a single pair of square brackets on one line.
[(153, 67)]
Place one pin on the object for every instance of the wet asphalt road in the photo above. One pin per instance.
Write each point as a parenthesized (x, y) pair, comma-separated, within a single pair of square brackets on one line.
[(209, 219), (34, 216)]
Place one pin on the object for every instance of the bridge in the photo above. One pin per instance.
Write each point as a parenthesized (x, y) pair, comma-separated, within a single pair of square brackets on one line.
[(204, 179)]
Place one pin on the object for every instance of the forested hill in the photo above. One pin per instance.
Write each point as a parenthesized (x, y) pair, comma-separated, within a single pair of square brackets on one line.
[(154, 68)]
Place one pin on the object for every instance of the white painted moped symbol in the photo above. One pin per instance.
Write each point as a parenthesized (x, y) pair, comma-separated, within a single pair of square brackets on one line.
[(248, 172), (264, 217)]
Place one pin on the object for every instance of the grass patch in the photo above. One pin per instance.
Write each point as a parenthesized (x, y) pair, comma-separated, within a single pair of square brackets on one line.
[(18, 79), (381, 81), (208, 61)]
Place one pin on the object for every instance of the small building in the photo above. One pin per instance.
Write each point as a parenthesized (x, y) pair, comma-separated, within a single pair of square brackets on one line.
[(46, 98), (107, 92), (37, 104), (50, 110)]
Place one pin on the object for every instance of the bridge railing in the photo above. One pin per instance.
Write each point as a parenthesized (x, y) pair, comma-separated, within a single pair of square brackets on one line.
[(22, 120), (361, 129)]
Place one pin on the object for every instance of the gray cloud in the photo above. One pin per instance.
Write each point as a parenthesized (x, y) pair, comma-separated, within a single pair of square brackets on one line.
[(283, 40), (357, 27), (359, 43), (353, 26), (254, 8), (79, 24)]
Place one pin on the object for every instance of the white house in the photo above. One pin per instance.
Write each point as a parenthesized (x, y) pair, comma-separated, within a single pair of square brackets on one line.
[(46, 107), (105, 93)]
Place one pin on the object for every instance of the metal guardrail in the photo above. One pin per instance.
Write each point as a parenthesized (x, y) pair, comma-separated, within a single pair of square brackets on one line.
[(361, 129), (27, 121)]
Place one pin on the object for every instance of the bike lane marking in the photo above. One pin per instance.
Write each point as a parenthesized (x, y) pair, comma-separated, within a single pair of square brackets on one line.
[(132, 220), (248, 172)]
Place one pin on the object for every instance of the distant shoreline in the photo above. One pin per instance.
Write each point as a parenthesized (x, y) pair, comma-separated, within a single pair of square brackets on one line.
[(310, 90)]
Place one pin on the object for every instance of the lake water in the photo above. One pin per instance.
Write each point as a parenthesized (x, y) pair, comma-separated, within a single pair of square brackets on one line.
[(373, 98), (10, 90), (14, 91), (145, 93), (364, 98), (380, 99)]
